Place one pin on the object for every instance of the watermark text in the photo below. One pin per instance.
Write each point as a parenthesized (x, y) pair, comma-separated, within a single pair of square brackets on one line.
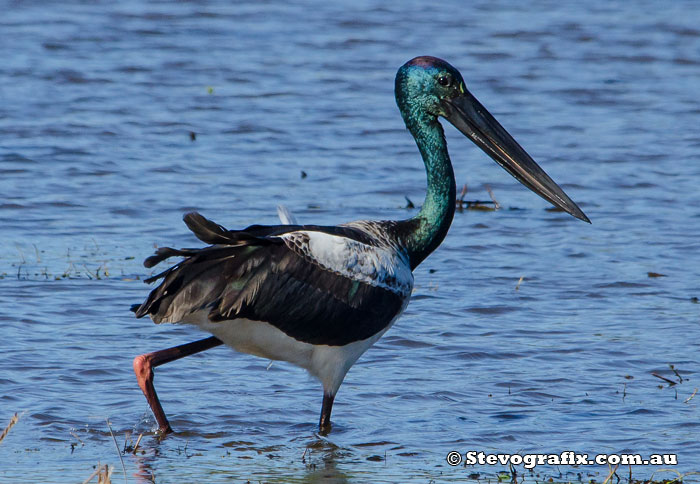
[(530, 461)]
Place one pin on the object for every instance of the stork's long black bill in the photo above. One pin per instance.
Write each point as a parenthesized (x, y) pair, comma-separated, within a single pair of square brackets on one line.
[(467, 114)]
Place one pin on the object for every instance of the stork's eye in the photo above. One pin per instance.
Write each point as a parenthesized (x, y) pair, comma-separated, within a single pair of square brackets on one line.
[(444, 81)]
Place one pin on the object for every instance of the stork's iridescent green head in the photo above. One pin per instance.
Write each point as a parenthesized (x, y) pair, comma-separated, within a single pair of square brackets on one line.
[(428, 87)]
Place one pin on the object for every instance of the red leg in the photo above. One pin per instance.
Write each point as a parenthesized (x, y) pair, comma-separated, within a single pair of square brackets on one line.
[(324, 425), (144, 364)]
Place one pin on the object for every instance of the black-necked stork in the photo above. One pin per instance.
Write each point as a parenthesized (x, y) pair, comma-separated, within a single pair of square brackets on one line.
[(319, 296)]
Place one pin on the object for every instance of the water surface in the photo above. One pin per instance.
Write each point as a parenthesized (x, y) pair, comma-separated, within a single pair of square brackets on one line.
[(97, 167)]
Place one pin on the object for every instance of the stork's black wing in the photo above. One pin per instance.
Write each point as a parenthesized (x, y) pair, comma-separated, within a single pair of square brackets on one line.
[(254, 274)]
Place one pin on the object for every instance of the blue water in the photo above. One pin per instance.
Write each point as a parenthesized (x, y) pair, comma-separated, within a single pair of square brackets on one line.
[(97, 102)]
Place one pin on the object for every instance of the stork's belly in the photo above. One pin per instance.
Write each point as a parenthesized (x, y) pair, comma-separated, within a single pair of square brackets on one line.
[(327, 363), (260, 339)]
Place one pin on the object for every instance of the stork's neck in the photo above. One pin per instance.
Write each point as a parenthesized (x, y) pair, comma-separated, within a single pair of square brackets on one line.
[(429, 227)]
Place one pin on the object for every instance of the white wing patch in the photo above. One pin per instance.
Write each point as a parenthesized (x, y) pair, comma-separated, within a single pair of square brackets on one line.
[(286, 217), (378, 266)]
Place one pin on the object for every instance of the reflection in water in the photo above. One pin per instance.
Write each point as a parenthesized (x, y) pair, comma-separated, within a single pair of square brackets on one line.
[(324, 469), (318, 463)]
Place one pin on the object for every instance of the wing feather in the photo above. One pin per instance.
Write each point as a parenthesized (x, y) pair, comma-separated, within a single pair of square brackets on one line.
[(266, 278)]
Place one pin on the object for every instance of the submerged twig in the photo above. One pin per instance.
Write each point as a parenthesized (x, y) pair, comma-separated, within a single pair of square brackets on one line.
[(679, 478), (487, 205), (76, 437), (517, 286), (673, 369), (94, 473), (612, 473), (103, 473), (496, 205), (89, 274), (136, 446), (655, 274), (670, 382), (127, 437), (117, 447), (460, 199), (13, 421), (21, 254), (691, 396)]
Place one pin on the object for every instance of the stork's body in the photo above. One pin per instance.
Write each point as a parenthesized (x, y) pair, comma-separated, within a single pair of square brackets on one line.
[(319, 297)]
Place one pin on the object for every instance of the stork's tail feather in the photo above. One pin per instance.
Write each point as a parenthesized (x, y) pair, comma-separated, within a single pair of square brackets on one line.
[(163, 253), (207, 230), (197, 272), (213, 233)]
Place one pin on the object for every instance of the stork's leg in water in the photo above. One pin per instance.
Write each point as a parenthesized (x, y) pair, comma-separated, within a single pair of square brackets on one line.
[(144, 364), (324, 425)]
